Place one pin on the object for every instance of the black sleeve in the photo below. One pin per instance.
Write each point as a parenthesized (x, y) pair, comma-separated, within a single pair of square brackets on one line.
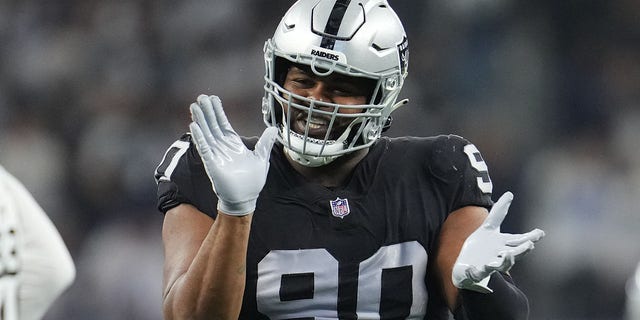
[(506, 302), (181, 178), (454, 163)]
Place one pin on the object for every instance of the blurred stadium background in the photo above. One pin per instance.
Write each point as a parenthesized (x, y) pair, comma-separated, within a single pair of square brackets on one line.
[(93, 92)]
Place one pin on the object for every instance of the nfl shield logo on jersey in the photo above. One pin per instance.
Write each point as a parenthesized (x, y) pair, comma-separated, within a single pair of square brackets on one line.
[(340, 207)]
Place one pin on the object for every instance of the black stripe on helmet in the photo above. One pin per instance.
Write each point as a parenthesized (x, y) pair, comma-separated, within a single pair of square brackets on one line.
[(333, 24)]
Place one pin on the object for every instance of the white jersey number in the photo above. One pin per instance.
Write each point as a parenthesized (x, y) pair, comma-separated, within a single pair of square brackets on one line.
[(318, 269), (484, 181)]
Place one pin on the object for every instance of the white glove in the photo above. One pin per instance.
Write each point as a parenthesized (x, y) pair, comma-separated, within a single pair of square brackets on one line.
[(487, 250), (237, 174)]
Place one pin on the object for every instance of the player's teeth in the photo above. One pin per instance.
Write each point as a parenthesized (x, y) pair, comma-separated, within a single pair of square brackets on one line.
[(316, 123)]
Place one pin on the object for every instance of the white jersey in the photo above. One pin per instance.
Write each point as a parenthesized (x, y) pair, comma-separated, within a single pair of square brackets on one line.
[(35, 265), (633, 296)]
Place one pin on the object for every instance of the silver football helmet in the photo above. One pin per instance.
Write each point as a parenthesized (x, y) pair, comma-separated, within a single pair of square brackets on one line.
[(357, 38)]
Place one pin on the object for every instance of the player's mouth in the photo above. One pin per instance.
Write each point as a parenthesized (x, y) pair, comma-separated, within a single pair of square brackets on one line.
[(316, 125)]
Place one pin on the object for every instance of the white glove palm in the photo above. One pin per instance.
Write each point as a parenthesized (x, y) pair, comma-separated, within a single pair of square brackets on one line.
[(487, 250), (237, 174)]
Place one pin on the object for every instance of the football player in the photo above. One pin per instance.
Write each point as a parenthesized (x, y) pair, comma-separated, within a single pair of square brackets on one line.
[(35, 265), (322, 217)]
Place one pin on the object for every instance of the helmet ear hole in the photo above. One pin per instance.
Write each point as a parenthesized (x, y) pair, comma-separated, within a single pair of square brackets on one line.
[(387, 123)]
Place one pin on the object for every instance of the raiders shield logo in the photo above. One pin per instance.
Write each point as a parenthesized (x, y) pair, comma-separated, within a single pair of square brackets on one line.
[(340, 207)]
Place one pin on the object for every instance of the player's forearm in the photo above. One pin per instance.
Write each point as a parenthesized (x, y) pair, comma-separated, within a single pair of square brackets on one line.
[(506, 302), (213, 286)]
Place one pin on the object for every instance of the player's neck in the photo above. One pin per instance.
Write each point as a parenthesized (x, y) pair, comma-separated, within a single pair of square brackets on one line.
[(334, 174)]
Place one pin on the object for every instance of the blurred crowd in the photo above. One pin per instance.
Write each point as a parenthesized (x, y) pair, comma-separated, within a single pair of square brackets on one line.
[(93, 92)]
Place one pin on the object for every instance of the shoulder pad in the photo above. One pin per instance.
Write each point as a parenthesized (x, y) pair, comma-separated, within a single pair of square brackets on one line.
[(448, 160)]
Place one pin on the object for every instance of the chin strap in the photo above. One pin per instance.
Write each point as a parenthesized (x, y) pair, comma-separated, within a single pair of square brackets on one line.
[(309, 161)]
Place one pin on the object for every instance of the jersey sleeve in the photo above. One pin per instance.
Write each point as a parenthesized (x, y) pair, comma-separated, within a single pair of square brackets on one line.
[(181, 178), (461, 172)]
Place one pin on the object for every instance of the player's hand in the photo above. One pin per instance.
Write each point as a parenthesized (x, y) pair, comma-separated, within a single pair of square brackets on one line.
[(237, 174), (487, 250)]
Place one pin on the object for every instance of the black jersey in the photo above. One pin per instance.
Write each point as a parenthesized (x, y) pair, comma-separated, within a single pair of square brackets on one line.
[(359, 251)]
